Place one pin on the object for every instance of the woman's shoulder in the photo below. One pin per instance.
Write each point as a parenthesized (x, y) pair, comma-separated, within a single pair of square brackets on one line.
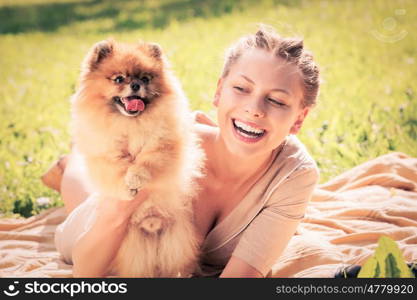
[(296, 156), (294, 175), (205, 128), (205, 131)]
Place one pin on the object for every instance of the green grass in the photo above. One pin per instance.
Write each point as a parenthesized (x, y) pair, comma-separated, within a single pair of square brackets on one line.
[(367, 105)]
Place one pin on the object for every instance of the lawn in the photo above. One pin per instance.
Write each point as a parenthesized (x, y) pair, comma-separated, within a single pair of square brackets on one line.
[(366, 50)]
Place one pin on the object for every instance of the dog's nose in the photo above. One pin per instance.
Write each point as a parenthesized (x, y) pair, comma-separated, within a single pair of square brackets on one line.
[(135, 86)]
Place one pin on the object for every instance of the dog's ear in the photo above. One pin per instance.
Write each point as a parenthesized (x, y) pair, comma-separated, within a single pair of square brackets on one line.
[(98, 53), (155, 50)]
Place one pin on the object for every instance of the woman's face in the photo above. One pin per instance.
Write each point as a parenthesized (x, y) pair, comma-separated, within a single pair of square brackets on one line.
[(259, 103)]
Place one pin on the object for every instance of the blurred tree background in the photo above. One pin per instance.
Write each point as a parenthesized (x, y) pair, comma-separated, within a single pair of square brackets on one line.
[(366, 50)]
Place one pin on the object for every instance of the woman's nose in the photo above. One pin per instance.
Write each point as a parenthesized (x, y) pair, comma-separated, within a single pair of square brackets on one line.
[(255, 108)]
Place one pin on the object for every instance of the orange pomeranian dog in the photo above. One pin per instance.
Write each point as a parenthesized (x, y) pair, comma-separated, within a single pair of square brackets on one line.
[(132, 126)]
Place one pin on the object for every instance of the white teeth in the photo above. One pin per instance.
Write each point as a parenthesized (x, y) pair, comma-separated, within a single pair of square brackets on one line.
[(248, 128), (247, 135)]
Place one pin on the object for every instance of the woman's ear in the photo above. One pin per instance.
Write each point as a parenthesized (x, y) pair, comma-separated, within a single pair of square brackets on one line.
[(218, 92), (299, 122)]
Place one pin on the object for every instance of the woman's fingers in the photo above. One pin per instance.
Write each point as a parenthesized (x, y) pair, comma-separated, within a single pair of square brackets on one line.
[(131, 205), (141, 196), (114, 209), (202, 118)]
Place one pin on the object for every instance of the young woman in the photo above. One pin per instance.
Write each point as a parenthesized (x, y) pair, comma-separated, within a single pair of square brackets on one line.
[(259, 176)]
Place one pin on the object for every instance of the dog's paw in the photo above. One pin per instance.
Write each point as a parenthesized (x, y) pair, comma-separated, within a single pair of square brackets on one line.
[(133, 181), (136, 179)]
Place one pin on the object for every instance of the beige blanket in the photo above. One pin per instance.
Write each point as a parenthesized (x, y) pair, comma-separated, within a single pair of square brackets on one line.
[(344, 220)]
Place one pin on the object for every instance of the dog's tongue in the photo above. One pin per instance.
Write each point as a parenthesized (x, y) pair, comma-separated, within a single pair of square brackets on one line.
[(134, 105)]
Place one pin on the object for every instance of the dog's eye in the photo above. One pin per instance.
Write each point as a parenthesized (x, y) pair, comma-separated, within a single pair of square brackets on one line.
[(145, 79), (119, 79)]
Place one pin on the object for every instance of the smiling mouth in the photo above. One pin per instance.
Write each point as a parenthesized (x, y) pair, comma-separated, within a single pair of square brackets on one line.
[(130, 106), (247, 131)]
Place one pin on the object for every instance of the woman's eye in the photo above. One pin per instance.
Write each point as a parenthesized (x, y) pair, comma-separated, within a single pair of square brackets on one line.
[(145, 79), (275, 102), (119, 79), (239, 88)]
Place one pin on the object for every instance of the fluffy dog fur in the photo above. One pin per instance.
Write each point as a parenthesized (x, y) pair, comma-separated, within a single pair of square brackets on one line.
[(126, 150)]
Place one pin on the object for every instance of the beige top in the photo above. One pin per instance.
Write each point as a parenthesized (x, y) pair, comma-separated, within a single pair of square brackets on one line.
[(257, 230)]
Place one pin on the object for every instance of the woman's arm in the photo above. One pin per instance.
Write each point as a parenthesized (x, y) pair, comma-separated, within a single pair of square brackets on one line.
[(238, 268), (73, 186), (266, 237), (94, 251)]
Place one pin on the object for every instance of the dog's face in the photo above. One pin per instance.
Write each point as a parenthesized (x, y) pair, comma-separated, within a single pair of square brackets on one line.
[(123, 78)]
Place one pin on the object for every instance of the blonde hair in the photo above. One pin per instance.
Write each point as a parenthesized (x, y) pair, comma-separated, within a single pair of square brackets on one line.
[(290, 49)]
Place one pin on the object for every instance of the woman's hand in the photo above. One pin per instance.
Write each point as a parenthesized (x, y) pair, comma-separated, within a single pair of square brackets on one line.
[(116, 212), (95, 250), (202, 118)]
